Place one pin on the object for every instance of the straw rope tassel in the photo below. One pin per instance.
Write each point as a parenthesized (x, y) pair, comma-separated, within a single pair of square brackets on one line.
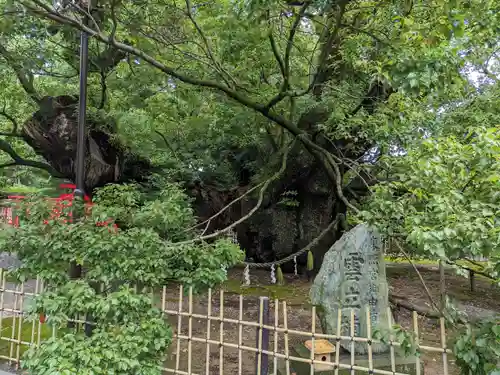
[(279, 276), (310, 261)]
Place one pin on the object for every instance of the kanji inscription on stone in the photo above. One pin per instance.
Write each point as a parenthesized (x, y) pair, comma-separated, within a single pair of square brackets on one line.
[(352, 278)]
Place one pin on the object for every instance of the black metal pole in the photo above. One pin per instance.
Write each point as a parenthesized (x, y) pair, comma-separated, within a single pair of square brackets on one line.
[(75, 270), (82, 116), (263, 321), (81, 140)]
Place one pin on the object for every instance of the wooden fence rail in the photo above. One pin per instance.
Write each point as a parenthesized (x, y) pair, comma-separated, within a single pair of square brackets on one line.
[(218, 333)]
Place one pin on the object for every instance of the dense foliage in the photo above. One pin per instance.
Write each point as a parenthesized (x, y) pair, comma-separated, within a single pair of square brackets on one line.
[(477, 347), (444, 203), (150, 248), (444, 199), (394, 102)]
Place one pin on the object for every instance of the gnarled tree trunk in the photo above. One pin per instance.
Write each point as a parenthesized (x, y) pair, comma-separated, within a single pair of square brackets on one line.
[(52, 133)]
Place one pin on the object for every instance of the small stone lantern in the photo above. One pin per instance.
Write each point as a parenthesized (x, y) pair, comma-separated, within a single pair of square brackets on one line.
[(323, 350)]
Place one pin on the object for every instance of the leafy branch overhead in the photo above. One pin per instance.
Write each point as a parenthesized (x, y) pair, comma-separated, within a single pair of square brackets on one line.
[(310, 55), (352, 81), (387, 110)]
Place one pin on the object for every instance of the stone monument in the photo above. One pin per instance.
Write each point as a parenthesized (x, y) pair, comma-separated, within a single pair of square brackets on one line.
[(352, 277)]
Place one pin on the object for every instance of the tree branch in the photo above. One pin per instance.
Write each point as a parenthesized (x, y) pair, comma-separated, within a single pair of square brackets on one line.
[(479, 272), (284, 64), (167, 143), (51, 14), (23, 75), (334, 175), (486, 64), (39, 8), (208, 49), (263, 189), (18, 160), (331, 36), (362, 31), (317, 78), (103, 90), (477, 264), (113, 20), (11, 164), (429, 295), (230, 204), (277, 55), (400, 301), (15, 125), (289, 44)]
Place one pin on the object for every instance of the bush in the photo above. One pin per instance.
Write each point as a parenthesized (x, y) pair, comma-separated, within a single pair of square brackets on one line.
[(150, 247)]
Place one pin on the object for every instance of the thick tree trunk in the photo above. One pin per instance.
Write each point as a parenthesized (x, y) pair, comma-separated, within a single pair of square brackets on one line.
[(51, 132), (274, 232)]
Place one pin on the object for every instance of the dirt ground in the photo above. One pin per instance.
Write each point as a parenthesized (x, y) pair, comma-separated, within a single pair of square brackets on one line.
[(402, 279)]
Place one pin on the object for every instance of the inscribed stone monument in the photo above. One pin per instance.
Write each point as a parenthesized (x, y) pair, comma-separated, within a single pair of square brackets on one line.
[(352, 276)]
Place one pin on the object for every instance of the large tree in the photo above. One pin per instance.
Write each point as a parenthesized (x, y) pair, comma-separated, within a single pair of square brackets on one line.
[(229, 93)]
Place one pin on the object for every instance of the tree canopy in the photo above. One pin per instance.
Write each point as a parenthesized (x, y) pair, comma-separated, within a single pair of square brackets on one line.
[(303, 111), (215, 92)]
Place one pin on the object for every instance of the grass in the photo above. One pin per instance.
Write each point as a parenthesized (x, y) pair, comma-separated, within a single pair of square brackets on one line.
[(27, 335), (19, 189), (294, 294), (434, 262), (416, 261)]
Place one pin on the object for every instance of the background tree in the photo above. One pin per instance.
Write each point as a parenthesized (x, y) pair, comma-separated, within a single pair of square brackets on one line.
[(443, 204), (338, 96), (350, 80)]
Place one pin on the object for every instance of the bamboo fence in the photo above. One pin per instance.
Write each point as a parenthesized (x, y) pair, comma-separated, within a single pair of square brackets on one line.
[(218, 333)]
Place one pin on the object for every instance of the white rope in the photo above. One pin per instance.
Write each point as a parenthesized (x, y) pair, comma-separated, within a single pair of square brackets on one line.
[(295, 266), (246, 275), (273, 275)]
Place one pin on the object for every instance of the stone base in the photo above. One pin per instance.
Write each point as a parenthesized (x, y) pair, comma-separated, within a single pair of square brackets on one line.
[(403, 365)]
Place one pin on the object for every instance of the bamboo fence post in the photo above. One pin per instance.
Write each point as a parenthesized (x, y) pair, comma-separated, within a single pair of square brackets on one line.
[(444, 346), (313, 331), (352, 330), (190, 329), (258, 359), (20, 328), (417, 341), (209, 329), (287, 349), (391, 341), (221, 333), (369, 337), (276, 322), (179, 329), (240, 336), (337, 339)]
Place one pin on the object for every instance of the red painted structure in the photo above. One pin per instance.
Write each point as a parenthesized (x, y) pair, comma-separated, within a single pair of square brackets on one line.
[(63, 201)]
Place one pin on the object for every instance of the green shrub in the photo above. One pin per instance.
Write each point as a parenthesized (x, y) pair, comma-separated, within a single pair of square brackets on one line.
[(151, 247)]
